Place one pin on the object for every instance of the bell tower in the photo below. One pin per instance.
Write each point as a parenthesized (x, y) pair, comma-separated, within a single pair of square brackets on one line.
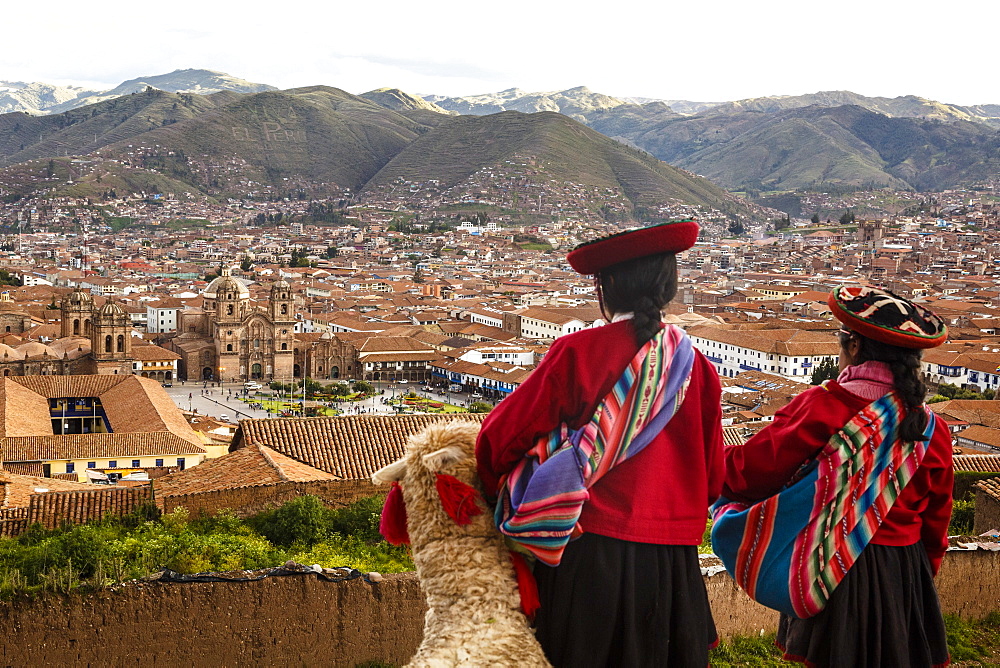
[(111, 340), (77, 309)]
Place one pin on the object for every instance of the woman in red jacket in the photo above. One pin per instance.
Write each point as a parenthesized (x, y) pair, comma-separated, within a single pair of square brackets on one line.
[(629, 591), (885, 610)]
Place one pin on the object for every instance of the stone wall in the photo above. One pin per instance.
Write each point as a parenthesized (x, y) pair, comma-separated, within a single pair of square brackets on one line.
[(278, 621), (987, 512), (302, 620), (246, 501)]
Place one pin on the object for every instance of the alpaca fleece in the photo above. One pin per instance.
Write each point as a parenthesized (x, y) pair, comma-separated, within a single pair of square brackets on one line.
[(473, 606)]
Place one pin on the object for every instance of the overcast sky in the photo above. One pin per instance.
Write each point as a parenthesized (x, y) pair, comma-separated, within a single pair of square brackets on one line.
[(704, 51)]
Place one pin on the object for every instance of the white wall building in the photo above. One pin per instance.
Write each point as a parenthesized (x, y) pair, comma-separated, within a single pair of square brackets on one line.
[(791, 354)]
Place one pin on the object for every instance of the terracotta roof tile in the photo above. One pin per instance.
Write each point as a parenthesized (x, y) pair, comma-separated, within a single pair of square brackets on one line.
[(94, 446), (350, 447), (20, 488), (990, 487), (977, 463), (247, 467), (23, 412)]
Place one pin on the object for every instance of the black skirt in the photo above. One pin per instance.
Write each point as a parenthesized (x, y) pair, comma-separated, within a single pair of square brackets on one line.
[(612, 602), (884, 613)]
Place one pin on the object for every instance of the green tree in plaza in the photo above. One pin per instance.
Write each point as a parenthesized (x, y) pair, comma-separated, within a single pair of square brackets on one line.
[(827, 370), (364, 386), (311, 386), (338, 389), (480, 407)]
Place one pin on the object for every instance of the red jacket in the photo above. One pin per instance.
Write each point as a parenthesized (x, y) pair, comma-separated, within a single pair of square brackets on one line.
[(762, 465), (660, 495)]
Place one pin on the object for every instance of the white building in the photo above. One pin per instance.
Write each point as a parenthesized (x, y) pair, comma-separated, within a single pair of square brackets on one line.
[(539, 323), (791, 353)]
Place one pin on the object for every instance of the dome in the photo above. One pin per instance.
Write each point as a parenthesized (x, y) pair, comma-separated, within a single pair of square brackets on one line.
[(281, 284), (112, 308), (71, 346), (36, 349), (8, 354), (222, 286), (78, 298)]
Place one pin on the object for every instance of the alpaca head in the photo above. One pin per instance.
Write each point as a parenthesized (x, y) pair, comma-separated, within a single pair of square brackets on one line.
[(438, 482)]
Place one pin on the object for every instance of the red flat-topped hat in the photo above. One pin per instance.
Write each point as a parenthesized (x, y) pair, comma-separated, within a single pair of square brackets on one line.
[(883, 316), (673, 237)]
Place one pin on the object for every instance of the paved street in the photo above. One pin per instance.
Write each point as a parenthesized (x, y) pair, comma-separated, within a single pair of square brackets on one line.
[(218, 401)]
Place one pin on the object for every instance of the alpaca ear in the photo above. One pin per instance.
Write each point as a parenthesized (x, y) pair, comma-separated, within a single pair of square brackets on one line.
[(391, 473), (444, 457)]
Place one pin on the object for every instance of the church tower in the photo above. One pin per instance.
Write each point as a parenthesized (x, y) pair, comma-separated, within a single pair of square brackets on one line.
[(111, 340), (77, 310), (282, 312)]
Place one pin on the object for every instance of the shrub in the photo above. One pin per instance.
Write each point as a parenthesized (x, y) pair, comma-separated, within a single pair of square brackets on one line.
[(963, 515), (301, 521), (359, 519), (352, 552)]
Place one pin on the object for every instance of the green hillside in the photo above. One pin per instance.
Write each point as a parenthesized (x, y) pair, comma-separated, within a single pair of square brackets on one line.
[(567, 150), (82, 131), (318, 134), (324, 139)]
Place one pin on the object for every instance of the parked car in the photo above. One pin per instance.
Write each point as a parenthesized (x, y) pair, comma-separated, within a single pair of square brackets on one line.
[(477, 395), (224, 418), (454, 387)]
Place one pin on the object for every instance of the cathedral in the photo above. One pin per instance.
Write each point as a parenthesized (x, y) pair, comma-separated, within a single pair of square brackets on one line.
[(229, 339), (91, 340)]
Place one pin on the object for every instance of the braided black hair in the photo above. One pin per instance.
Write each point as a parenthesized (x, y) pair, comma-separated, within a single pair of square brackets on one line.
[(905, 366), (643, 286)]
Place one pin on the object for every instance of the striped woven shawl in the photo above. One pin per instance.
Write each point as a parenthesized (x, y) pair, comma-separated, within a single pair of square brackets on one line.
[(791, 550), (541, 500)]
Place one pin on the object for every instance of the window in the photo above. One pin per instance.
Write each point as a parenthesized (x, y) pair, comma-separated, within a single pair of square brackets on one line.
[(159, 462), (113, 464), (70, 467), (180, 463), (91, 465), (135, 463)]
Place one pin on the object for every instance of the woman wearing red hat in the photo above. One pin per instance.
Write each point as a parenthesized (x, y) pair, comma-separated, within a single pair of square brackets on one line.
[(877, 605), (644, 409)]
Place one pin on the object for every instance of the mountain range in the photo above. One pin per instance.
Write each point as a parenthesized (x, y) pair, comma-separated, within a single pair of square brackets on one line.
[(326, 139), (832, 139), (40, 98), (825, 140)]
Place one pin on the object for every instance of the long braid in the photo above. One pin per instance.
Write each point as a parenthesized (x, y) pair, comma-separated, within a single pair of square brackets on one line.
[(905, 366), (642, 286)]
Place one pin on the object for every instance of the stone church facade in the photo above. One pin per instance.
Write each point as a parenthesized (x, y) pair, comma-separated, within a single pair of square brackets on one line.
[(230, 339), (91, 340)]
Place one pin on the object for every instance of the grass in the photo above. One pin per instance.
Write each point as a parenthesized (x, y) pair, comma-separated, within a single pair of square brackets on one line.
[(747, 651), (974, 643), (971, 643)]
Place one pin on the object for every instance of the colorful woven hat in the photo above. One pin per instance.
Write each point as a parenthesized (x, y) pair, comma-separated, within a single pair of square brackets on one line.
[(882, 316), (673, 237)]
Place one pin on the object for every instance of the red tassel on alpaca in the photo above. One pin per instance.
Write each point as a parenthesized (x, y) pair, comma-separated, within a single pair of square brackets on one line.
[(457, 498), (392, 525)]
